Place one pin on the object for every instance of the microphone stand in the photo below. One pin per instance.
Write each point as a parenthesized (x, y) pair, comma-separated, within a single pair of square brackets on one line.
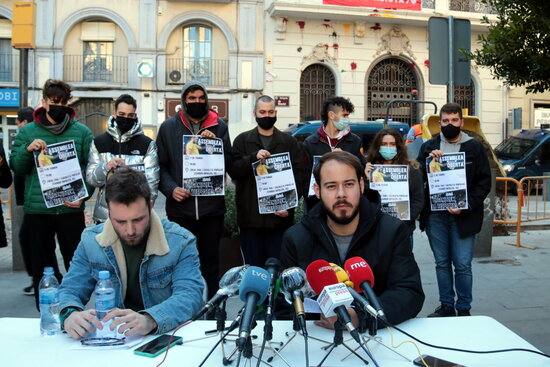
[(372, 330), (339, 340), (244, 351)]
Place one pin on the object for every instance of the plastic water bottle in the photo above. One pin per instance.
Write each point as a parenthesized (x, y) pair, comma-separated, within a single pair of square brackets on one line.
[(49, 303), (104, 295)]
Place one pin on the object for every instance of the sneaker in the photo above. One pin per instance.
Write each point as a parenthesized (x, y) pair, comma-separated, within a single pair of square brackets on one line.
[(463, 313), (443, 311), (29, 291)]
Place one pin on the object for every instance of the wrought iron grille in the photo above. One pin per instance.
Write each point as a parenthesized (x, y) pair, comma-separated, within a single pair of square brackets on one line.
[(473, 6), (428, 4), (102, 68), (465, 96), (209, 71), (94, 113), (391, 79), (316, 84)]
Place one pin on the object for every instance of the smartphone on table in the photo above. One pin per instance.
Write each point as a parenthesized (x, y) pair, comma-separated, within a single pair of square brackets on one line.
[(435, 362), (157, 346)]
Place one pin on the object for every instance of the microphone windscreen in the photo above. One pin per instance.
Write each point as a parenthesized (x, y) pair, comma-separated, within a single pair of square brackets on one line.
[(320, 274), (273, 263), (359, 271), (341, 275), (292, 279), (257, 280)]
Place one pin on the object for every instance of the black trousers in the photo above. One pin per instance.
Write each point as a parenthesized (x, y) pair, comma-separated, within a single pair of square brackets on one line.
[(259, 244), (42, 229), (208, 232)]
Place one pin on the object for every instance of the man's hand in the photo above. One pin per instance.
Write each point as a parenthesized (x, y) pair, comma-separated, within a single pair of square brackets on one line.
[(180, 194), (328, 322), (454, 211), (281, 213), (114, 163), (37, 144), (208, 134), (81, 323), (263, 154), (131, 322), (436, 153), (73, 204)]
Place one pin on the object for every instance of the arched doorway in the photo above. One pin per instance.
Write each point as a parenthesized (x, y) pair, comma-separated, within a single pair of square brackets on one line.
[(317, 83), (389, 79), (465, 96)]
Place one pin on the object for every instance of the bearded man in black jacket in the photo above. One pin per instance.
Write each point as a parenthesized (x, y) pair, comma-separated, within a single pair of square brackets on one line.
[(344, 225)]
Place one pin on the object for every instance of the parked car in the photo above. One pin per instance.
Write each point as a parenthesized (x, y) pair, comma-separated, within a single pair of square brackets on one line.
[(526, 153), (364, 129)]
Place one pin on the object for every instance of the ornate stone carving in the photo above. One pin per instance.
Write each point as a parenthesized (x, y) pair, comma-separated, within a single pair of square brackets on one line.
[(280, 28), (319, 53), (395, 43)]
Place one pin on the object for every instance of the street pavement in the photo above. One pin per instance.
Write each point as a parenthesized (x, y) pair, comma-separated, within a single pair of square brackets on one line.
[(511, 286)]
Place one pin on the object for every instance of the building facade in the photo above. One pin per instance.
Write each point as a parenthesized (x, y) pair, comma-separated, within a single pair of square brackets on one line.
[(299, 51), (146, 48)]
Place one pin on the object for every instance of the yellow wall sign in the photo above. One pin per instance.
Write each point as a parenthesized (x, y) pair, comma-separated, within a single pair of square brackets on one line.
[(23, 24)]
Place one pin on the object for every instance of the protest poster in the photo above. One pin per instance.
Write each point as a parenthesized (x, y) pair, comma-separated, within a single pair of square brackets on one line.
[(60, 174), (203, 166), (392, 182), (275, 183), (447, 181), (311, 192)]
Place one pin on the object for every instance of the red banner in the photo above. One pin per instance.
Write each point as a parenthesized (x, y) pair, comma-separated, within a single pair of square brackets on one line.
[(381, 4)]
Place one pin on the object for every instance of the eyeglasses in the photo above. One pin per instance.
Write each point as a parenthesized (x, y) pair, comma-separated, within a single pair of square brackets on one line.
[(102, 342)]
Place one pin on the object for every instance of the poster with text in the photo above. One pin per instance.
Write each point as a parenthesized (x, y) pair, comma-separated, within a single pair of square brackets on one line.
[(447, 181), (60, 174), (203, 166), (311, 192), (392, 182), (275, 183)]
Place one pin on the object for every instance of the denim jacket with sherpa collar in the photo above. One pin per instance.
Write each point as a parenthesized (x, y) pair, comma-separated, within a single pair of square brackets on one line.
[(170, 279)]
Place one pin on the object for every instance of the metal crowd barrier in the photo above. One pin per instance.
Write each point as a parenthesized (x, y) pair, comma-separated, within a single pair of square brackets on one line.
[(530, 204)]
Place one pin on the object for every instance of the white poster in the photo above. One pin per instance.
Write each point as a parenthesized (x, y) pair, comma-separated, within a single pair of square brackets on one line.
[(311, 192), (60, 174), (392, 182), (275, 183), (447, 181), (203, 166)]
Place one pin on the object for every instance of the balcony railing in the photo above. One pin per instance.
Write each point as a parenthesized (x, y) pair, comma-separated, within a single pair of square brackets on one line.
[(9, 67), (95, 68), (473, 6), (211, 72)]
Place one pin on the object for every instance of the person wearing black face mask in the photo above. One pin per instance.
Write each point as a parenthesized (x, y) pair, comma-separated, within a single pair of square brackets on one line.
[(53, 122), (261, 234), (124, 143), (202, 215), (451, 233)]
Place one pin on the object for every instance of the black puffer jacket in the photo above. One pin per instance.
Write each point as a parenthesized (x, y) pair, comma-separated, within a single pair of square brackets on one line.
[(380, 239), (478, 182)]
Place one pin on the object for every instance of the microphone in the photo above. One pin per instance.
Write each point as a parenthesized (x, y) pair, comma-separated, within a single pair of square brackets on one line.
[(361, 274), (294, 286), (229, 286), (253, 291), (343, 277), (273, 267), (334, 297)]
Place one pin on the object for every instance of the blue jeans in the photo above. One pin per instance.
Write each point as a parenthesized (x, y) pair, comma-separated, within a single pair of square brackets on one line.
[(449, 248)]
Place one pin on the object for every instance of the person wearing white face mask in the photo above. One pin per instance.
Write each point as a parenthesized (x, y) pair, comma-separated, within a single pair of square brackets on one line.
[(334, 134), (388, 147)]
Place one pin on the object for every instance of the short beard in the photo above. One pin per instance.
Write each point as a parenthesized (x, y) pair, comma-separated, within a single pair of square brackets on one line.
[(141, 241), (339, 220)]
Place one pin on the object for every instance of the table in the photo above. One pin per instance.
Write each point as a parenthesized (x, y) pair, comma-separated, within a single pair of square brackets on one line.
[(22, 345)]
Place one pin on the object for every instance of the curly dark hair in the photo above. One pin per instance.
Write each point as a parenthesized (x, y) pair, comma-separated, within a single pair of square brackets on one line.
[(57, 91), (373, 154), (334, 102)]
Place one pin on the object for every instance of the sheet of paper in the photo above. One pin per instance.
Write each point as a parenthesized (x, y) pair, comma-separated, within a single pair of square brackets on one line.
[(129, 341), (311, 306)]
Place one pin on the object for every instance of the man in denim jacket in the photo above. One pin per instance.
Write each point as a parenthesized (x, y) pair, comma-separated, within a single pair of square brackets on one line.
[(153, 265)]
